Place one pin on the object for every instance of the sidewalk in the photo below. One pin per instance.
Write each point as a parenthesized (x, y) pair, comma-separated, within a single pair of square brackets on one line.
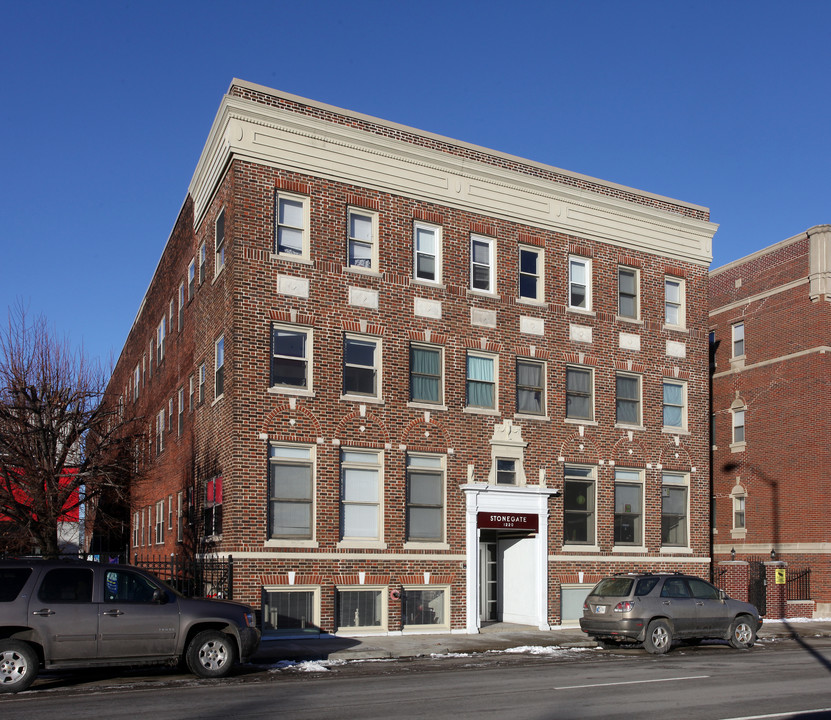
[(500, 636)]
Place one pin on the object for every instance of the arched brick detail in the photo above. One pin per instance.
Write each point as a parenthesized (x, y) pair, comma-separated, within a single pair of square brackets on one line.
[(578, 449), (362, 430), (426, 435), (629, 453), (305, 427), (675, 457)]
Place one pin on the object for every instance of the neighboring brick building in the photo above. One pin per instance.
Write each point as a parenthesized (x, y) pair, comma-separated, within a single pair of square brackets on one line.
[(770, 320), (414, 384)]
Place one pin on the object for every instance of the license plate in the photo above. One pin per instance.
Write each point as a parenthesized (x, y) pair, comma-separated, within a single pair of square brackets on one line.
[(600, 609)]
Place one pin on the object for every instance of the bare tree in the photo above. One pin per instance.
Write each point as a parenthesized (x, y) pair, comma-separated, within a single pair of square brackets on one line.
[(63, 444)]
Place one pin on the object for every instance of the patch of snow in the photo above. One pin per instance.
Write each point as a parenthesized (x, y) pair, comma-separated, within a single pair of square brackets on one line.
[(449, 655), (544, 650)]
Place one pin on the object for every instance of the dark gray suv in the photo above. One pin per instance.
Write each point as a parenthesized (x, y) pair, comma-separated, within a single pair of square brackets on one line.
[(66, 614), (657, 609)]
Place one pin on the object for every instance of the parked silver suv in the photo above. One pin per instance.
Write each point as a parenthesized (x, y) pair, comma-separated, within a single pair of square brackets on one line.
[(657, 609), (66, 614)]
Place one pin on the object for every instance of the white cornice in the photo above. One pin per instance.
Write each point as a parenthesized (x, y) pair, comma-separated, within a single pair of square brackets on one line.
[(280, 138)]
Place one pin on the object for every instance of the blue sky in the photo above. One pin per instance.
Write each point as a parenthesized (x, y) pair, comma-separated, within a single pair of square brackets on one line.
[(106, 107)]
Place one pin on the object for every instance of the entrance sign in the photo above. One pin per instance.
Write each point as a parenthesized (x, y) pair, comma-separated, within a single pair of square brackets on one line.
[(508, 521), (781, 576)]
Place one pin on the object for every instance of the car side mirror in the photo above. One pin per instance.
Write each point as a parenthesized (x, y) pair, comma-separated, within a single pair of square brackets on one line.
[(159, 596), (722, 595)]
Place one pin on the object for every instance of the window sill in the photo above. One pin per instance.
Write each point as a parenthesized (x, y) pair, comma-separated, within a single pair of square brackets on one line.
[(677, 328), (280, 390), (581, 548), (629, 549), (361, 545), (426, 406), (623, 426), (529, 416), (483, 294), (675, 431), (737, 363), (631, 321), (424, 545), (480, 411), (581, 311), (437, 284), (218, 399), (738, 447), (738, 534), (297, 259), (366, 272), (578, 421), (532, 303), (676, 550), (362, 399), (276, 542)]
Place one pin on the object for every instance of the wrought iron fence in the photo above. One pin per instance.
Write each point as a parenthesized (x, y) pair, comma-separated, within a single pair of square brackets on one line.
[(194, 577), (798, 584)]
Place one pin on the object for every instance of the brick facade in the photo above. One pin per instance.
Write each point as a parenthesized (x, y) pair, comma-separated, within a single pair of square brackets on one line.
[(777, 373), (418, 556)]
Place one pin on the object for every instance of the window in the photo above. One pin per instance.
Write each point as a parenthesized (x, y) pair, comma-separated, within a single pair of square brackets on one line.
[(738, 340), (292, 222), (738, 426), (220, 242), (425, 606), (291, 611), (628, 399), (136, 382), (628, 507), (578, 505), (170, 415), (674, 291), (191, 279), (579, 393), (123, 586), (364, 608), (190, 392), (291, 350), (530, 387), (141, 542), (361, 366), (160, 522), (675, 404), (202, 383), (160, 432), (290, 492), (180, 425), (361, 495), (627, 293), (674, 510), (152, 354), (427, 252), (738, 512), (219, 374), (505, 471), (68, 585), (425, 498), (170, 311), (426, 372), (180, 520), (531, 266), (136, 529), (212, 510), (362, 240), (203, 262), (482, 264), (481, 381), (161, 332), (170, 512), (579, 283), (181, 319)]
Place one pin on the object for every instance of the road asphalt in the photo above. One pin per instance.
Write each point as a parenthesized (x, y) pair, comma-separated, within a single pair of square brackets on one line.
[(499, 636)]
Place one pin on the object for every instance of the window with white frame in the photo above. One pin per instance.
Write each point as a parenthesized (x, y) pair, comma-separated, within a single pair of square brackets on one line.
[(627, 399), (361, 608), (506, 471), (426, 374), (425, 497), (219, 366), (170, 415), (161, 332), (426, 252), (180, 519), (170, 313), (579, 517), (152, 355), (212, 509), (426, 606), (675, 404), (136, 382), (531, 278), (627, 293), (160, 432), (579, 393), (202, 379), (362, 240), (159, 522), (180, 424), (674, 509), (481, 385), (291, 352), (738, 340), (530, 387), (628, 507), (579, 283), (292, 223), (136, 529), (291, 611), (361, 484), (191, 391), (361, 365), (219, 237), (203, 262), (674, 302), (181, 318), (142, 531), (483, 263), (738, 425), (739, 500), (291, 491), (170, 512), (191, 279)]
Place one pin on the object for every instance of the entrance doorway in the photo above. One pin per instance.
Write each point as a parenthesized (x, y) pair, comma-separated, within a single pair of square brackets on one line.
[(507, 577)]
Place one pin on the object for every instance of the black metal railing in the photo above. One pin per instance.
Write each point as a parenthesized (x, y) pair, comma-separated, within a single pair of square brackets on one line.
[(798, 584), (193, 577)]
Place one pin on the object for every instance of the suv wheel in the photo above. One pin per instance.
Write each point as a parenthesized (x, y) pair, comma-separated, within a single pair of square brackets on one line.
[(658, 637), (18, 666), (211, 654), (742, 633)]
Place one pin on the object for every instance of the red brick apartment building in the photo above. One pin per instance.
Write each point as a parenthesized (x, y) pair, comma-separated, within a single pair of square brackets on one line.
[(412, 384), (770, 321)]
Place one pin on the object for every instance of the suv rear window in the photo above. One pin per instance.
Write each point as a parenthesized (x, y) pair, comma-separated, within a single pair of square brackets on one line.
[(12, 581), (646, 585), (613, 587)]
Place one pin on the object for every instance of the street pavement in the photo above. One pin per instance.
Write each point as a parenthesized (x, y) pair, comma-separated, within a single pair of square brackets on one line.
[(499, 636)]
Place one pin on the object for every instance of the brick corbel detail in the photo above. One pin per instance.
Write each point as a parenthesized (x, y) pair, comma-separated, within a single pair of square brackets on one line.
[(481, 228), (276, 579), (356, 579), (428, 216), (418, 579), (363, 202), (293, 186), (527, 239)]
